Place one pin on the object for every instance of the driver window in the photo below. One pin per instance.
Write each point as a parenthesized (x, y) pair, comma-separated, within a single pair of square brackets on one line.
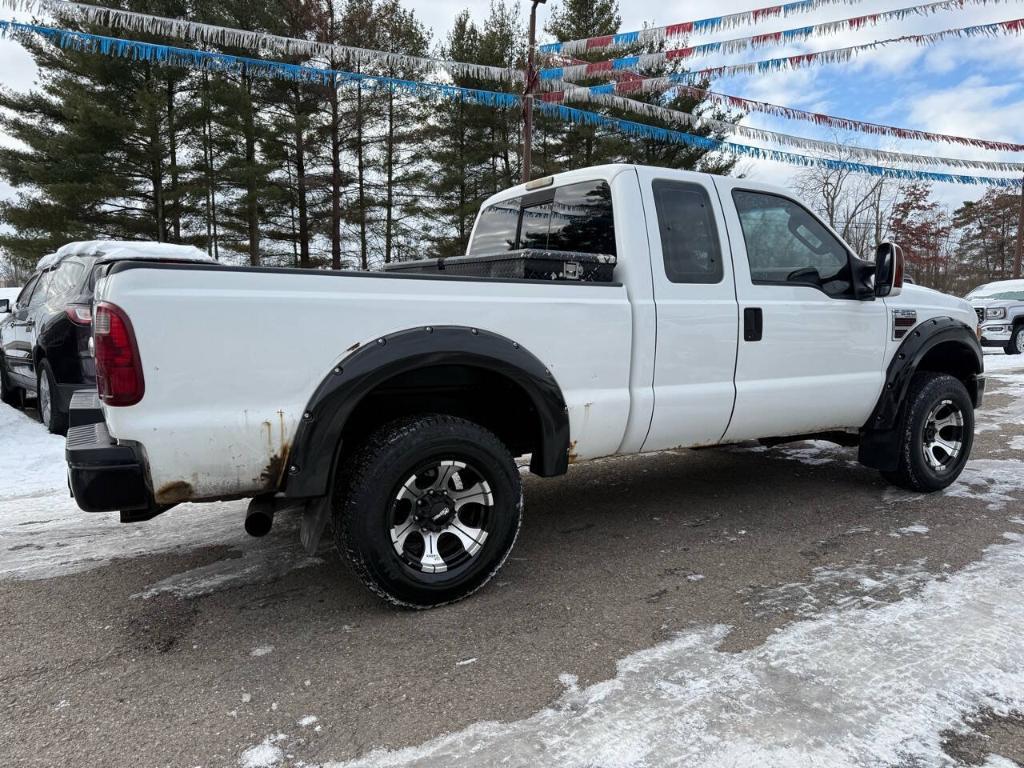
[(40, 294), (22, 301), (786, 245)]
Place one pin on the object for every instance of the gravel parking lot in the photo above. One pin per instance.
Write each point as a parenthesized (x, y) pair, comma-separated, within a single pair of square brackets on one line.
[(734, 606)]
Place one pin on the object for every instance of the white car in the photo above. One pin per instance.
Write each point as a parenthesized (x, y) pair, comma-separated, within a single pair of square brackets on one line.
[(394, 403)]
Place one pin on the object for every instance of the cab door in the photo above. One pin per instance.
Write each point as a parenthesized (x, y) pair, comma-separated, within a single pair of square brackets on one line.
[(695, 300), (15, 338), (810, 355)]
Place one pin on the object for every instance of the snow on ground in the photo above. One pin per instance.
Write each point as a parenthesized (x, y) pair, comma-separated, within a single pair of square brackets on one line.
[(44, 534), (1003, 374), (264, 755), (862, 585), (852, 686)]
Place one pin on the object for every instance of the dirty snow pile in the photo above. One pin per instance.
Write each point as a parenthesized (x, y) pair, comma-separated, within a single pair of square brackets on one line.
[(44, 534)]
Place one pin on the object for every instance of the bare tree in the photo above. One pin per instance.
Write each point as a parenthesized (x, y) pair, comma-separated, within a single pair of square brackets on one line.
[(857, 206)]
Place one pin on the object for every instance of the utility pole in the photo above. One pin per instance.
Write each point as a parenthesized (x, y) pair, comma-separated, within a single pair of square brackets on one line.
[(531, 82), (1020, 236)]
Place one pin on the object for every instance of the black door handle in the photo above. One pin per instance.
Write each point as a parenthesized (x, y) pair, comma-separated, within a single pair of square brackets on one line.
[(753, 323)]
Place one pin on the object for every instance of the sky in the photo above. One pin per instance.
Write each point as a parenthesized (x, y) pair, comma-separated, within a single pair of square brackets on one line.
[(963, 86)]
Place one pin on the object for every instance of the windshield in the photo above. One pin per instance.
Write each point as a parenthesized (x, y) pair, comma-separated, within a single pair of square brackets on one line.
[(982, 293), (1007, 290)]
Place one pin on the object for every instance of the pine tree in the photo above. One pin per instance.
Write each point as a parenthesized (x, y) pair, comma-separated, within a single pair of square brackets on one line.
[(100, 156), (474, 149), (240, 129), (567, 147)]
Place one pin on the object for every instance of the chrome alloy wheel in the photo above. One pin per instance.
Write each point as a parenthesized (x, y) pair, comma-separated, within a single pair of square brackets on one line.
[(440, 516), (943, 435), (1019, 338)]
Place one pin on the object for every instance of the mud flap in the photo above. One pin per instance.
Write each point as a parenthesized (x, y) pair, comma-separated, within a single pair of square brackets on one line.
[(880, 449), (314, 520)]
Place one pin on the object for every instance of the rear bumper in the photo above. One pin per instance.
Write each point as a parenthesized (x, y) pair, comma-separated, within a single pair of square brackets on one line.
[(103, 475)]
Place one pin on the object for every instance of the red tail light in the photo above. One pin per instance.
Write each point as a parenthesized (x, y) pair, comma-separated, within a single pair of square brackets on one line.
[(79, 314), (118, 366)]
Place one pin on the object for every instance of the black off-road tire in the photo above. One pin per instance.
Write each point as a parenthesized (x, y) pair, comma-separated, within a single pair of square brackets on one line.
[(928, 389), (8, 393), (57, 420), (365, 495), (1015, 345)]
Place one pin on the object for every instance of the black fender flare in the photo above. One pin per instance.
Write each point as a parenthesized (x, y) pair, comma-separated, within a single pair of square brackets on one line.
[(878, 445), (315, 447)]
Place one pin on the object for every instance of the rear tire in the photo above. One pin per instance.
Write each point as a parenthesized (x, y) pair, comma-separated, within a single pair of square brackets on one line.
[(48, 400), (8, 393), (1015, 345), (936, 432), (427, 509)]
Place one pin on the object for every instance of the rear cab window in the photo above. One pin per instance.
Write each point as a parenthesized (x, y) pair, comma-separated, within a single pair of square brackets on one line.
[(575, 217)]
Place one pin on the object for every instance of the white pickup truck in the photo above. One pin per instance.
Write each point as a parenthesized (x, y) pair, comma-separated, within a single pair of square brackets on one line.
[(393, 404)]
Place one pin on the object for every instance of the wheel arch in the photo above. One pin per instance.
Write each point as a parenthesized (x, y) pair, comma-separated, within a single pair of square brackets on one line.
[(457, 370), (940, 344)]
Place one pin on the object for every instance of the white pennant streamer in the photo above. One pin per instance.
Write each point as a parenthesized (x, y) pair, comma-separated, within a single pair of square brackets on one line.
[(212, 34), (688, 120)]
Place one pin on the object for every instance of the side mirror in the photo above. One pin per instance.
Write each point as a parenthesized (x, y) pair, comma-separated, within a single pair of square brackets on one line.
[(862, 274), (5, 306), (888, 270)]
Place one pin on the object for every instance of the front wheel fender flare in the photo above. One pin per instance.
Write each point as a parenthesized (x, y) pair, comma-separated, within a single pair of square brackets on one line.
[(879, 434)]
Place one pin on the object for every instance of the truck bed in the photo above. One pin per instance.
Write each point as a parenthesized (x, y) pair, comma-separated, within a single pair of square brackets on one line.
[(258, 341)]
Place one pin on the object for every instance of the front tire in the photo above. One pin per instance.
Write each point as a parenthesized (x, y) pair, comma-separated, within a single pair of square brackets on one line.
[(936, 432), (48, 400), (427, 509), (1015, 345)]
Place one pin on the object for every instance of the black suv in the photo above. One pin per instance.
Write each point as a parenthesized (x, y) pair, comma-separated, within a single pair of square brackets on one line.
[(45, 341)]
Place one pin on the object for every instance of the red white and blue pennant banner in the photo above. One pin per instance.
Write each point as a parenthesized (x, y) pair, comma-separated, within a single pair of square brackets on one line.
[(210, 61), (211, 34), (669, 136), (739, 44), (842, 123), (555, 77), (685, 28), (721, 127)]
